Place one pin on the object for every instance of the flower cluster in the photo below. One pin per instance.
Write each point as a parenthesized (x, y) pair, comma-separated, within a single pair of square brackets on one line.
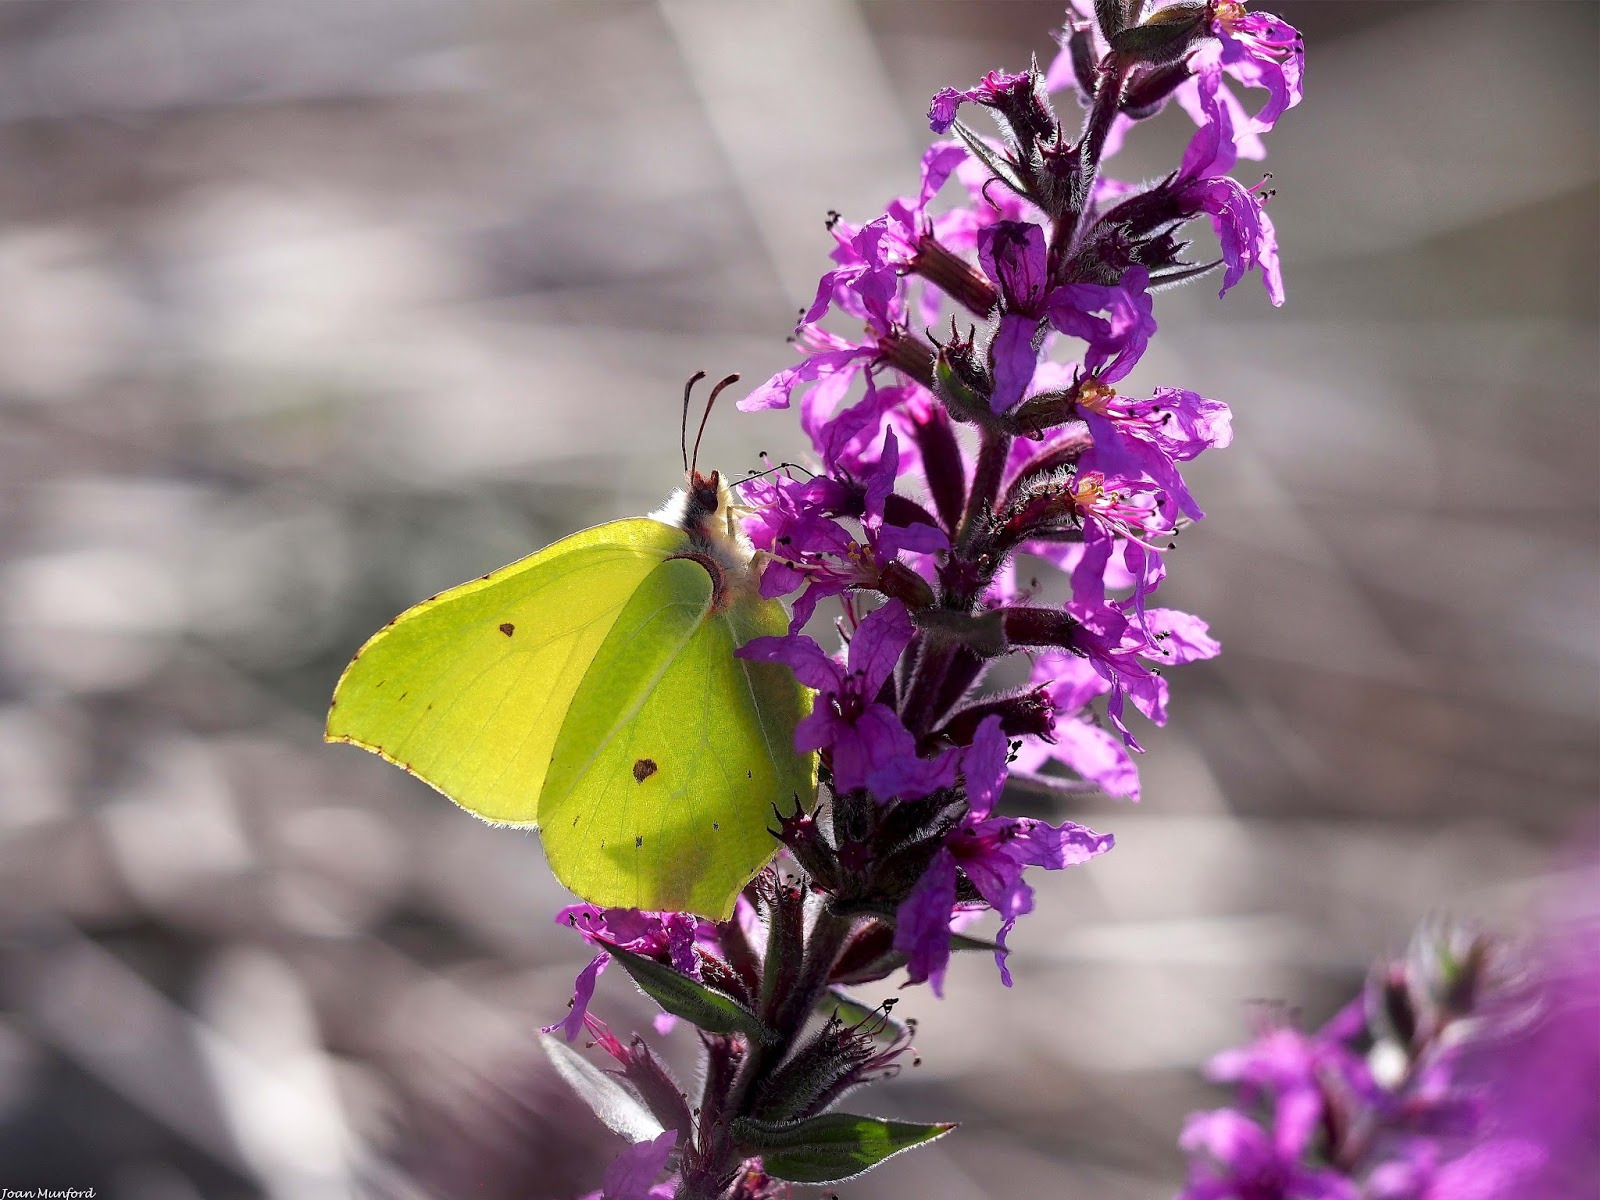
[(1437, 1083), (963, 387)]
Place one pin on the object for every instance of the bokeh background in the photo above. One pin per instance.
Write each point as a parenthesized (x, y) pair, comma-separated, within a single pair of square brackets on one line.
[(309, 308)]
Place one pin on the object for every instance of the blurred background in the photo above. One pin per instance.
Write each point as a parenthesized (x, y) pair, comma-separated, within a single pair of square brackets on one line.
[(310, 308)]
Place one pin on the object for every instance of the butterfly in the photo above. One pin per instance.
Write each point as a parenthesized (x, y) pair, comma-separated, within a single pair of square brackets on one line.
[(591, 690)]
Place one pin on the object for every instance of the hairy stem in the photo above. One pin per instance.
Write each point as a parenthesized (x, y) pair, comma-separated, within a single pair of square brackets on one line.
[(786, 1014)]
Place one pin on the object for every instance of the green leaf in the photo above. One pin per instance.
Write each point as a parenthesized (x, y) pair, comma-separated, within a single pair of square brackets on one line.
[(853, 1012), (696, 1003), (831, 1148), (614, 1102)]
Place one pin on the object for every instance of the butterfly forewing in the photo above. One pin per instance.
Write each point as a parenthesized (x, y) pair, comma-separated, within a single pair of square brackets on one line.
[(468, 690)]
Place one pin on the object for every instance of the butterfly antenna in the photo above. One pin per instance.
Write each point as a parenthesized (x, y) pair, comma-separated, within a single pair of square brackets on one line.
[(694, 459), (683, 436)]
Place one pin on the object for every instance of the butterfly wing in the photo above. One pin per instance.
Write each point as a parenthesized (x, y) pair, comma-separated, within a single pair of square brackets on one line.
[(468, 690), (673, 752)]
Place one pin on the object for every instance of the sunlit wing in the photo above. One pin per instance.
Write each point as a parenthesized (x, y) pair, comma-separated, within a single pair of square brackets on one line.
[(468, 690)]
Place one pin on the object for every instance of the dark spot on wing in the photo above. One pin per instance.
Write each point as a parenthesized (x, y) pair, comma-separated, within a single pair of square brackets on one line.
[(508, 629), (747, 775), (638, 843), (715, 826), (643, 769)]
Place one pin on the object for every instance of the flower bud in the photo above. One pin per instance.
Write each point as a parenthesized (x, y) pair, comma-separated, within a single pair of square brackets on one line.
[(1167, 35)]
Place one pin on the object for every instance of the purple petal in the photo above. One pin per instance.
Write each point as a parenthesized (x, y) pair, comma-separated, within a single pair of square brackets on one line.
[(938, 161), (776, 391), (922, 924), (877, 645), (1096, 755), (920, 538), (942, 109), (985, 766), (1012, 254), (1013, 358), (800, 654), (582, 993), (904, 776), (633, 1173), (1181, 637)]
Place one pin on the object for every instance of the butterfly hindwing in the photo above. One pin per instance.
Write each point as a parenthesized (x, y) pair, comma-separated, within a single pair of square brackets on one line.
[(468, 690), (662, 782)]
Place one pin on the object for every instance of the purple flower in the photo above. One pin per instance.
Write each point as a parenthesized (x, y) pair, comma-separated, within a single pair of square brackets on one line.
[(992, 852), (1071, 683), (667, 937), (1249, 241), (1238, 1160), (997, 89), (1502, 1169), (1290, 1070), (1264, 51), (1115, 647), (870, 258), (832, 358), (1537, 1067), (1116, 341), (1013, 255), (864, 739), (793, 522), (1146, 439)]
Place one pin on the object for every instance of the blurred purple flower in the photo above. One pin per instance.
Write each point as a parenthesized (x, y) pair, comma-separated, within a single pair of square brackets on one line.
[(1235, 1159)]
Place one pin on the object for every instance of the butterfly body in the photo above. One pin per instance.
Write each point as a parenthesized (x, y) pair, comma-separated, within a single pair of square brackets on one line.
[(591, 690)]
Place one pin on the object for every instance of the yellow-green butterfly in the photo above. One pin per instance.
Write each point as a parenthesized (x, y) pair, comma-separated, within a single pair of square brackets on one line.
[(592, 690)]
